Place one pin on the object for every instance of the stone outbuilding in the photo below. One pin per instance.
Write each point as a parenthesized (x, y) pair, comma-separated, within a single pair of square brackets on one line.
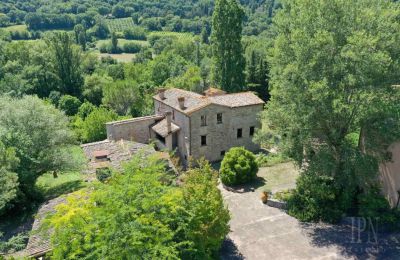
[(195, 125)]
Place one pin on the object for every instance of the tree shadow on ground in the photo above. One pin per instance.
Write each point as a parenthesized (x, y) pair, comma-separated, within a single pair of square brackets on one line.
[(229, 251), (62, 189), (17, 222), (248, 187), (354, 242)]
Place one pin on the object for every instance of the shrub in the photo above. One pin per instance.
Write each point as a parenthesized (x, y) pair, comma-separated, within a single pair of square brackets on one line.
[(54, 97), (375, 206), (85, 109), (135, 33), (316, 198), (94, 126), (131, 47), (69, 104), (103, 47), (14, 244), (284, 195), (238, 167), (103, 174)]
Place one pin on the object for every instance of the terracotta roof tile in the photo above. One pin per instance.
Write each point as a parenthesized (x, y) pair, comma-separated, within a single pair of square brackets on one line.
[(194, 101), (161, 128), (237, 99)]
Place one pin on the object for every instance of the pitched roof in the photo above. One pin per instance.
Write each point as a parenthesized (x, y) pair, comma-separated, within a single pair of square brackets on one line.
[(237, 99), (117, 152), (214, 92), (194, 101), (161, 128)]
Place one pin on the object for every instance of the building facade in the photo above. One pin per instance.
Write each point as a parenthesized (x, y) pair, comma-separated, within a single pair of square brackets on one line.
[(195, 125)]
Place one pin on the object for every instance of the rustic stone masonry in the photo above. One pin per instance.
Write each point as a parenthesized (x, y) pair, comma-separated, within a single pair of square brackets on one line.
[(195, 125)]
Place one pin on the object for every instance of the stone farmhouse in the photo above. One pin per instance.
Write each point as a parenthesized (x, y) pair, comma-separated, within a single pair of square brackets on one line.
[(195, 125)]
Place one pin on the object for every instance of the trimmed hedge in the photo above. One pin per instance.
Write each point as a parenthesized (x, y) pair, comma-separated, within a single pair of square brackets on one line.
[(238, 167)]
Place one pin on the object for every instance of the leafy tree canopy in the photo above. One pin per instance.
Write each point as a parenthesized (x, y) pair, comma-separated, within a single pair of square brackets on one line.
[(39, 137), (140, 216), (332, 71)]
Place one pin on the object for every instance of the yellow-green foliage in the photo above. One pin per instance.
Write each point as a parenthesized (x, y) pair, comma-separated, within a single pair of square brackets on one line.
[(135, 215)]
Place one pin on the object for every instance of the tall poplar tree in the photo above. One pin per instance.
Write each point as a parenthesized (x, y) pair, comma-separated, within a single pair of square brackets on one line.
[(67, 60), (226, 37)]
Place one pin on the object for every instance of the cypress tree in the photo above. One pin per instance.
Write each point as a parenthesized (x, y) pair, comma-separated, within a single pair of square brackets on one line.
[(252, 69), (226, 39)]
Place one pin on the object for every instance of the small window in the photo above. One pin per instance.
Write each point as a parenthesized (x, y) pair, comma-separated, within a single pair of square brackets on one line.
[(222, 153), (219, 118), (203, 140), (173, 115), (251, 130), (203, 120), (239, 133)]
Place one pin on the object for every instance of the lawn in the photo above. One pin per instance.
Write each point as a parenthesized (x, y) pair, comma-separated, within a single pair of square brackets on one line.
[(123, 57), (67, 182), (279, 177), (16, 28)]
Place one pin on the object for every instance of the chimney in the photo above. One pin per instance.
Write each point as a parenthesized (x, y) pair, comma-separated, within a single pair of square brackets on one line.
[(181, 101), (168, 116), (161, 93)]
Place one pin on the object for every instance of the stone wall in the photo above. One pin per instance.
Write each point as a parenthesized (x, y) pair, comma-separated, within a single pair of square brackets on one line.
[(136, 129), (183, 135), (222, 137), (390, 175)]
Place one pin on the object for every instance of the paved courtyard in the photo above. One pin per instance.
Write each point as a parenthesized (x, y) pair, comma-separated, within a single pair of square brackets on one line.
[(261, 232)]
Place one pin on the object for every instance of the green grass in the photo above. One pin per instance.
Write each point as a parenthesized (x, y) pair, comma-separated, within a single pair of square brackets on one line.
[(271, 159), (123, 57), (279, 177), (119, 25), (16, 28), (179, 35), (48, 187), (65, 183), (121, 42)]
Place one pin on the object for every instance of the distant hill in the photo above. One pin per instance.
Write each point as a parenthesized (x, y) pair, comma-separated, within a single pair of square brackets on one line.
[(167, 15)]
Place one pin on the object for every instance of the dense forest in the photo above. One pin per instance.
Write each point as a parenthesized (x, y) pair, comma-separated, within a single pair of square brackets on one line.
[(170, 15)]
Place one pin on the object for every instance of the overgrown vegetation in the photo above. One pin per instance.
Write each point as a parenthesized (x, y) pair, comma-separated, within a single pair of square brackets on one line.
[(138, 209)]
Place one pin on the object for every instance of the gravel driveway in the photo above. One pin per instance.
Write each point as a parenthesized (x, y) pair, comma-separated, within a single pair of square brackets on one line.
[(261, 232)]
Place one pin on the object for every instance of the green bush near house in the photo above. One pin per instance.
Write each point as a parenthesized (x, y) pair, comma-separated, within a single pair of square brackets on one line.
[(93, 127), (316, 198), (238, 167), (374, 206)]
